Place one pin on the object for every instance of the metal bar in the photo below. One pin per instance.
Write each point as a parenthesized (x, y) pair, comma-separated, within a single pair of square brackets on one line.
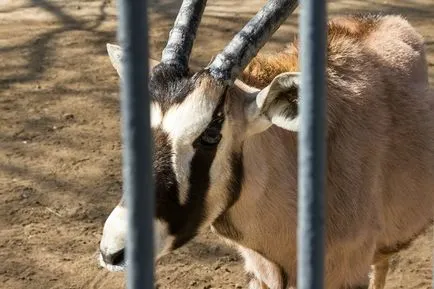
[(312, 145), (136, 134)]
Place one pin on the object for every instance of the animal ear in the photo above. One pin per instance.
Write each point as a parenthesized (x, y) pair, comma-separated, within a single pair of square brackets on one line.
[(276, 104), (115, 55)]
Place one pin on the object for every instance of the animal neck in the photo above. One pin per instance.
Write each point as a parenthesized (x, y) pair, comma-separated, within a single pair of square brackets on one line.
[(269, 164)]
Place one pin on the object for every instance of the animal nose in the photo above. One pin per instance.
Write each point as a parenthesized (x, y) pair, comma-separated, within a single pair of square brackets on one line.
[(114, 258)]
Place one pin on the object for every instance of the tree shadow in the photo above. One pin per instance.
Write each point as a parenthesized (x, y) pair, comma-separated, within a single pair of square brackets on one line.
[(62, 17), (38, 48), (39, 51)]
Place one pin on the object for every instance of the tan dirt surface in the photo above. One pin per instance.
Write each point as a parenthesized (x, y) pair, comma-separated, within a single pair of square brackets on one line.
[(60, 168)]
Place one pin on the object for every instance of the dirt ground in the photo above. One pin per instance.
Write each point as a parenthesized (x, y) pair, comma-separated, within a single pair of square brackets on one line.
[(60, 148)]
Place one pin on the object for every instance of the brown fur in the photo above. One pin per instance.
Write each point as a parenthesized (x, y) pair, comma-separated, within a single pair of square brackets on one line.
[(380, 167), (380, 153), (263, 68)]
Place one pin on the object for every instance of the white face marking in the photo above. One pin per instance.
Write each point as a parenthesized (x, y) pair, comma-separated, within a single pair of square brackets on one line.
[(184, 123), (114, 231), (183, 154), (113, 237)]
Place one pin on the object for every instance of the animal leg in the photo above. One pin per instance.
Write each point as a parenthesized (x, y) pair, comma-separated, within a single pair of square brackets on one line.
[(379, 273), (267, 275), (257, 284)]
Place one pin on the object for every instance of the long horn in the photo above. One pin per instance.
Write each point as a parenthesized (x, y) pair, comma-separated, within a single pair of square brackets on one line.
[(183, 33), (246, 43)]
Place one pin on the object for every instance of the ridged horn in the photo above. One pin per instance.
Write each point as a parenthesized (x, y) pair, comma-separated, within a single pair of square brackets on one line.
[(245, 45), (183, 33)]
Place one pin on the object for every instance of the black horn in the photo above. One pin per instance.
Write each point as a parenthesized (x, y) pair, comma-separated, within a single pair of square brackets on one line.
[(183, 33), (246, 43)]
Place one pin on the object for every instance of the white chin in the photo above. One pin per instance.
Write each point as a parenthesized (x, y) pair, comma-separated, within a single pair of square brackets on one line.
[(115, 268), (112, 268)]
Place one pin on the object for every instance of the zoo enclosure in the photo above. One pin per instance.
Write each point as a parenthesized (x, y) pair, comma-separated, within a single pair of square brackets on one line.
[(136, 133)]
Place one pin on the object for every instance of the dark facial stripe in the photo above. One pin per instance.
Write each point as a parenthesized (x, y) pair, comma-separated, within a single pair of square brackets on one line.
[(199, 181), (166, 186), (194, 208), (183, 219)]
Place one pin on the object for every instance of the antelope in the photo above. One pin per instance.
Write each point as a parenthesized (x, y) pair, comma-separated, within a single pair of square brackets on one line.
[(225, 147)]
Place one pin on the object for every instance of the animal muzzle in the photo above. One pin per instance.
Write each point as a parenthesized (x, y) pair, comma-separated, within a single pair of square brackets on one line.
[(113, 242)]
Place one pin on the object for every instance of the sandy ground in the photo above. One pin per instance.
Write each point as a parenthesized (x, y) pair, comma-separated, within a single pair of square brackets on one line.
[(60, 148)]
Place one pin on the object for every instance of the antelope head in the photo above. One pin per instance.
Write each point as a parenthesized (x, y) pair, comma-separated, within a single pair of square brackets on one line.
[(199, 123)]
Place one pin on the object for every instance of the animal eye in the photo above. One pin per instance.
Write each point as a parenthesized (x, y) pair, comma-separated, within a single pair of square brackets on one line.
[(210, 137)]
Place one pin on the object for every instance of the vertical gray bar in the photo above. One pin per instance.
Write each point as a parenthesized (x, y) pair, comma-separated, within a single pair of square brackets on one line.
[(138, 187), (312, 145)]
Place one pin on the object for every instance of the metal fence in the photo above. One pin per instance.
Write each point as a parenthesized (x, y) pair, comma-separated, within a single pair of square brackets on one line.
[(136, 134), (311, 158), (138, 183)]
